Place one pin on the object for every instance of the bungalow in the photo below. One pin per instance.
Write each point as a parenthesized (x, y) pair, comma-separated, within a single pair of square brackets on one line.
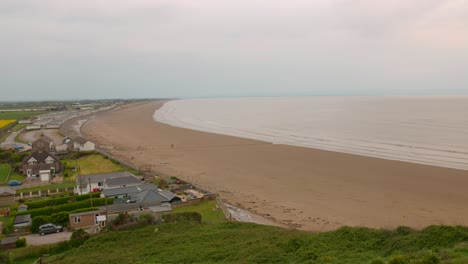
[(88, 220), (22, 221), (41, 163), (104, 181), (7, 196), (81, 144), (141, 193)]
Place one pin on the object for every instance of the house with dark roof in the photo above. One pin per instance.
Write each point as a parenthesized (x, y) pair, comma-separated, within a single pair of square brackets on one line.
[(41, 163), (80, 144), (43, 143), (7, 196), (104, 181)]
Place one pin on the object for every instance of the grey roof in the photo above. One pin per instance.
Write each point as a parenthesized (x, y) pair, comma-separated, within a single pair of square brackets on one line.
[(80, 140), (167, 194), (86, 213), (95, 178), (160, 209), (4, 191), (45, 138), (129, 190), (9, 240), (120, 181), (149, 196), (22, 219)]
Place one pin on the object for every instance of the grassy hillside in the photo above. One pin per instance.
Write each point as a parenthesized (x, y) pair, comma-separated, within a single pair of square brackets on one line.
[(233, 242)]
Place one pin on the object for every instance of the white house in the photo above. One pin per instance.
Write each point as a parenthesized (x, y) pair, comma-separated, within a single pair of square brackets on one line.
[(97, 182), (81, 144)]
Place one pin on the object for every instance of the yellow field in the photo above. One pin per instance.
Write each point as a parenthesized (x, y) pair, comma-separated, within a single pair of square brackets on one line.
[(5, 122)]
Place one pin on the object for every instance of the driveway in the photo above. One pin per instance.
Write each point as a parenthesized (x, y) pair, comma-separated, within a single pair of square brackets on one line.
[(10, 142), (36, 239)]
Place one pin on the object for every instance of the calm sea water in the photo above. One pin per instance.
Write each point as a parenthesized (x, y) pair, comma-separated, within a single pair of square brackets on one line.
[(427, 130)]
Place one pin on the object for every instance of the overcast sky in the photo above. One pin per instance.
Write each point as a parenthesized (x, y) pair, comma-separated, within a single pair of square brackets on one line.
[(56, 49)]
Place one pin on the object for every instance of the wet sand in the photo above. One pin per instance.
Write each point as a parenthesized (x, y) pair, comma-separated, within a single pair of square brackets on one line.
[(304, 188)]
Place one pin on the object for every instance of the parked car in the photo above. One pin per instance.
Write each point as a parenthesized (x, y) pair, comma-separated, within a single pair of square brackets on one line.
[(14, 183), (49, 229)]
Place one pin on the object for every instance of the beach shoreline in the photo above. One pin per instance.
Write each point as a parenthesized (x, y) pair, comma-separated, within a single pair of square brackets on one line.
[(303, 188)]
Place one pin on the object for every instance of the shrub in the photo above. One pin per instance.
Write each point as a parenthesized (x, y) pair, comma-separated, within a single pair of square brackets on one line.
[(79, 234), (20, 242), (146, 218), (38, 221), (183, 217), (122, 219)]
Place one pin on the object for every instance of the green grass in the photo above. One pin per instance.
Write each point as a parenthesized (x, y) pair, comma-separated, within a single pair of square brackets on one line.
[(234, 242), (18, 127), (206, 209), (5, 136), (4, 170), (19, 115), (92, 164), (47, 187)]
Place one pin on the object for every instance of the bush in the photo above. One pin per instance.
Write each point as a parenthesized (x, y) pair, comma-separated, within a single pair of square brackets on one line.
[(183, 217), (146, 218), (122, 219), (38, 221), (79, 234), (21, 242)]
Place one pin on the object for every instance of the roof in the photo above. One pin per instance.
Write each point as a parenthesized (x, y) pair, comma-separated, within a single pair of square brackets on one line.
[(80, 140), (167, 194), (40, 156), (149, 196), (45, 138), (9, 240), (128, 190), (85, 213), (22, 219), (120, 181), (95, 178), (160, 209), (4, 191)]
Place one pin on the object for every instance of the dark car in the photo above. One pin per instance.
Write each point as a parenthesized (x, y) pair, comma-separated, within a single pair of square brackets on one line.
[(49, 229), (14, 183)]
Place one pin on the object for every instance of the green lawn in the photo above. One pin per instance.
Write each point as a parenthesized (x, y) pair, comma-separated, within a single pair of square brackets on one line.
[(91, 164), (19, 115), (18, 127), (206, 209), (4, 170)]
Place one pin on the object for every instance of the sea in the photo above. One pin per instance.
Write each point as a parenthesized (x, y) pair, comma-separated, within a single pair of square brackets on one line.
[(421, 129)]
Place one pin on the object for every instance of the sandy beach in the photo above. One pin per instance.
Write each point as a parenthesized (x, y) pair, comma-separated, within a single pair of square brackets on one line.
[(303, 188)]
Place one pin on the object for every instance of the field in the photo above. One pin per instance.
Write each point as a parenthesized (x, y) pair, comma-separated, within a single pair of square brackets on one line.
[(18, 115), (91, 164), (4, 123)]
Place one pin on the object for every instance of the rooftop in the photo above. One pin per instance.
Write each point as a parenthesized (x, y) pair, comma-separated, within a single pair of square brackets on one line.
[(95, 178)]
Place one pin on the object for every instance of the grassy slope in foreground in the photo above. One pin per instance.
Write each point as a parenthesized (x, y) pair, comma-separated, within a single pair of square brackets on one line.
[(234, 242)]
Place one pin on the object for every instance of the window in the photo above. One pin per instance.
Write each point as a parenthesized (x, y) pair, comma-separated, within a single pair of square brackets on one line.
[(96, 218), (77, 219), (103, 223), (99, 184)]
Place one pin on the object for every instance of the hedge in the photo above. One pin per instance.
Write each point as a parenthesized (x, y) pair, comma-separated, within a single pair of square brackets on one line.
[(49, 210), (60, 201)]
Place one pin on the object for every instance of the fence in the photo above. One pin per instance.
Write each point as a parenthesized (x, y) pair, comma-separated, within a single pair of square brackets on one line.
[(40, 193)]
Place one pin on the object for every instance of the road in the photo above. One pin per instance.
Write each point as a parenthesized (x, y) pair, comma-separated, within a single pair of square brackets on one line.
[(36, 239), (10, 141)]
